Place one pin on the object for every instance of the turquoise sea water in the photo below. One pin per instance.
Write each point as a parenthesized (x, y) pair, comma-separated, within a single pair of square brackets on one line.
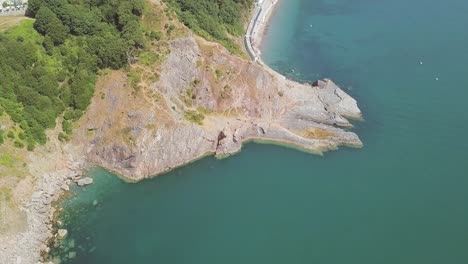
[(403, 198)]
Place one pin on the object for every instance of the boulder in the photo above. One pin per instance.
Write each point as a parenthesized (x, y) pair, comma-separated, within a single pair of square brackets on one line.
[(84, 181), (65, 187), (62, 233)]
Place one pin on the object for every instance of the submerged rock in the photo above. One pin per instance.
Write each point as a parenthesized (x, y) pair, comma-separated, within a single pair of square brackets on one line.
[(62, 233), (85, 181)]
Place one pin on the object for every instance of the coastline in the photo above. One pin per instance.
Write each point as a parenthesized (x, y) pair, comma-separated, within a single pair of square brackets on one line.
[(257, 27), (287, 110), (53, 168)]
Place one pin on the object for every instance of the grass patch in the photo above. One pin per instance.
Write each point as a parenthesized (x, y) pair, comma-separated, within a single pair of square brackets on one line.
[(5, 194), (188, 97), (218, 73), (7, 22), (318, 133), (7, 160), (148, 58), (204, 111), (127, 135), (134, 78), (195, 83), (25, 30), (194, 117), (90, 133)]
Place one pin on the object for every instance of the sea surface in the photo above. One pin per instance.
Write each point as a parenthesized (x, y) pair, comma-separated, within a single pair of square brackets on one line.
[(403, 198)]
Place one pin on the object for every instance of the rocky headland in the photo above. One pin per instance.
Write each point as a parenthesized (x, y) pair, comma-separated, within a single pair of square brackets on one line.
[(204, 101), (238, 100)]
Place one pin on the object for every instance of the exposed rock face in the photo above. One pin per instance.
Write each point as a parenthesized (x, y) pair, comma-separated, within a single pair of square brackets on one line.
[(53, 168), (241, 101)]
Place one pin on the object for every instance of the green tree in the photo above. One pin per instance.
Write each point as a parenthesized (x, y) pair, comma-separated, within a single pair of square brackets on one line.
[(43, 17), (34, 6), (57, 31), (48, 45), (215, 20), (133, 34), (49, 65), (67, 127), (110, 50), (47, 23)]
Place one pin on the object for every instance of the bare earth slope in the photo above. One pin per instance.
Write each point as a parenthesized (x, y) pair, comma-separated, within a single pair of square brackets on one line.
[(241, 101)]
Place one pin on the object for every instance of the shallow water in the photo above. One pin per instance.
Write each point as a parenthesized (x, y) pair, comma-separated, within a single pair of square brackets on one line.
[(400, 199)]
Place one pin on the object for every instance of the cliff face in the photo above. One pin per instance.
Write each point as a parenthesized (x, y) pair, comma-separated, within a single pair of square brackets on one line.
[(141, 133)]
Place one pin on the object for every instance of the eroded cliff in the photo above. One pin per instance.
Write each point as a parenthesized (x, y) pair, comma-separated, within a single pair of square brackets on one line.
[(207, 101)]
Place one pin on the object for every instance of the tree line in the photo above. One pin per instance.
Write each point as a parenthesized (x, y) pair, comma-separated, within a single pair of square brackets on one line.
[(48, 65), (218, 20)]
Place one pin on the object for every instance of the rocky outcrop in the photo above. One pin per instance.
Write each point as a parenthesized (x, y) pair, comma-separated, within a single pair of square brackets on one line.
[(84, 181), (62, 233), (26, 247), (240, 101)]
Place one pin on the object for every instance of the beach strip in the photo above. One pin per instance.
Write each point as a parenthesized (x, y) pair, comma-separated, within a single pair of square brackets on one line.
[(257, 26)]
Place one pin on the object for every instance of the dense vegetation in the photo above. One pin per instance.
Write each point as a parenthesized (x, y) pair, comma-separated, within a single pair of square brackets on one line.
[(48, 65), (214, 19)]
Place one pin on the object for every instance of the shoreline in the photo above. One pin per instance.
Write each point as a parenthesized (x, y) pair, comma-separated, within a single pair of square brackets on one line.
[(257, 27), (321, 107), (64, 166)]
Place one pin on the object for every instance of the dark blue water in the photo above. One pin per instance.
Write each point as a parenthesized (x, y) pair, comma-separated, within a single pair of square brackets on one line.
[(400, 199)]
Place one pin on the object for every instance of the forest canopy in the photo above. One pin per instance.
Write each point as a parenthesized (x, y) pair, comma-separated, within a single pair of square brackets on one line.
[(48, 65), (218, 20)]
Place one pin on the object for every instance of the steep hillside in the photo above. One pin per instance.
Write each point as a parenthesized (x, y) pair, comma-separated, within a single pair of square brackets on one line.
[(207, 101), (220, 21)]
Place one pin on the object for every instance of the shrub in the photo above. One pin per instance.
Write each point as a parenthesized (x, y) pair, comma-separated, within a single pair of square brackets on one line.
[(19, 144), (63, 137), (21, 135), (194, 116), (67, 127), (11, 135), (153, 35), (218, 73)]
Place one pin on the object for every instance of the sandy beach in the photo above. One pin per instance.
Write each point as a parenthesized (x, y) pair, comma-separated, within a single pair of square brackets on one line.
[(257, 26)]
